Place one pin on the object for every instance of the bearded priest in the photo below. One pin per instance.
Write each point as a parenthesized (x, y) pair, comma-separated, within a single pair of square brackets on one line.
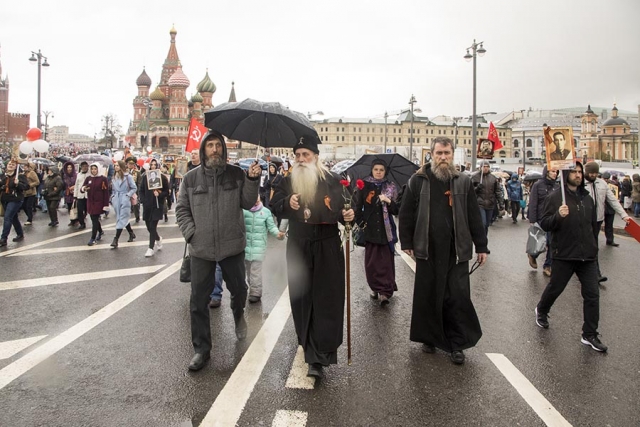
[(314, 201)]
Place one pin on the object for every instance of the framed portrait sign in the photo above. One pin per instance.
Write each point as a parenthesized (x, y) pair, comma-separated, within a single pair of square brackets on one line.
[(558, 143), (614, 189), (485, 149), (154, 179), (181, 168)]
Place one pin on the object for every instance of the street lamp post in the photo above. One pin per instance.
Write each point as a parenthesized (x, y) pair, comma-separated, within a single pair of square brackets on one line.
[(524, 153), (148, 103), (411, 102), (385, 131), (46, 124), (480, 50), (319, 113), (39, 57)]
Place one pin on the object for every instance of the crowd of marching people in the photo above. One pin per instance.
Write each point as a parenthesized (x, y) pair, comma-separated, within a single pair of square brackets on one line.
[(225, 215)]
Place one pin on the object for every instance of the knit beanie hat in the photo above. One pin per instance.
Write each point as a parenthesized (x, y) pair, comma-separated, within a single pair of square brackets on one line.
[(591, 167)]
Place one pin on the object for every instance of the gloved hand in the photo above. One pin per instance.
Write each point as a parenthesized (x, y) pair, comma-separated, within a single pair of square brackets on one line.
[(478, 188)]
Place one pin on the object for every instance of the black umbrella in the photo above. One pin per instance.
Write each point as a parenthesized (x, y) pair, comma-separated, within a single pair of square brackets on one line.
[(273, 159), (267, 124), (533, 176), (42, 161), (399, 168)]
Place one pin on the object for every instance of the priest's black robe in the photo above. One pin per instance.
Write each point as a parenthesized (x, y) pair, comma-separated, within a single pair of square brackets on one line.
[(315, 267), (443, 314)]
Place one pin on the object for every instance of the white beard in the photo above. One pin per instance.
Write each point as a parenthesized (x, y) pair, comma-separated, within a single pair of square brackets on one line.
[(304, 180)]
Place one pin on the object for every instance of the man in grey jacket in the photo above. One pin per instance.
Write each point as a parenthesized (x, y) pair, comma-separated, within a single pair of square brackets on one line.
[(209, 214), (601, 194)]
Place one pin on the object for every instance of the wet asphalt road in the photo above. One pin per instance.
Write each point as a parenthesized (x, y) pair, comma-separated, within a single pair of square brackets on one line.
[(130, 370)]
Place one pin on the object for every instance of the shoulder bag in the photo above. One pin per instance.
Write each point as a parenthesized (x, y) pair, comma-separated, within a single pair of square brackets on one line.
[(185, 269)]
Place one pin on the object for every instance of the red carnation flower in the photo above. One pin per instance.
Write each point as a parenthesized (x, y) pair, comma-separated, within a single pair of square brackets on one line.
[(344, 182), (360, 184)]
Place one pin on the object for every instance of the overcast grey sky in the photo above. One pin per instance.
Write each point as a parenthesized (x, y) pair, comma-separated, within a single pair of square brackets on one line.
[(346, 58)]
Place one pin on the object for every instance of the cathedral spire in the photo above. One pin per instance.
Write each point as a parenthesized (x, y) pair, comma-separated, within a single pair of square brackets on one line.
[(232, 96), (172, 62)]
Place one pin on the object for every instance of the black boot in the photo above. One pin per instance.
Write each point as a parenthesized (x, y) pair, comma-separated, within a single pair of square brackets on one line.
[(114, 244), (132, 236), (241, 324)]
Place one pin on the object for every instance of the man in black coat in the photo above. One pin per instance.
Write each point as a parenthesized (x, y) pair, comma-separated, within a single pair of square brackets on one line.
[(439, 225), (539, 192), (574, 250)]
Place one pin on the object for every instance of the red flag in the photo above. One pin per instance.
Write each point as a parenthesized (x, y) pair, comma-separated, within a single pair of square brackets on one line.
[(493, 137), (196, 132)]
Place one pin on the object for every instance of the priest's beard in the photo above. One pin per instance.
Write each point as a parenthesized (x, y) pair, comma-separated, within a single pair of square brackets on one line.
[(444, 171), (214, 161), (304, 179)]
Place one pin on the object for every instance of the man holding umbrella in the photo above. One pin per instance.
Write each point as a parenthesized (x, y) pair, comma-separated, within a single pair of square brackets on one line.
[(209, 214), (313, 200)]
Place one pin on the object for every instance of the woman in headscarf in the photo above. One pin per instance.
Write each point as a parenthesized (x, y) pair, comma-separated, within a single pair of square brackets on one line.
[(153, 203), (69, 176), (12, 188), (122, 188), (375, 205), (271, 182), (96, 188), (53, 185)]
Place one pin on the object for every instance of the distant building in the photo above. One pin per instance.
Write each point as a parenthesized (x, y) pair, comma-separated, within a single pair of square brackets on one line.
[(13, 126), (58, 134), (164, 113)]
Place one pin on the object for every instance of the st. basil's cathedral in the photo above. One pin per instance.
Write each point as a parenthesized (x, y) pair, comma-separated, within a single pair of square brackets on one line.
[(167, 123)]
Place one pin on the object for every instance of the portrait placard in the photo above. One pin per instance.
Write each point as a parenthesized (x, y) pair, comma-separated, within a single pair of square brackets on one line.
[(558, 144), (614, 189), (182, 167), (154, 180), (485, 149)]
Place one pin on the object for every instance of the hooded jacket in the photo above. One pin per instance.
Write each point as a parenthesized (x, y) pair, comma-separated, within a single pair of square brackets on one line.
[(572, 237), (209, 208), (34, 182), (539, 192), (258, 224), (514, 188), (69, 181), (602, 194), (98, 194), (415, 214), (53, 184), (488, 192)]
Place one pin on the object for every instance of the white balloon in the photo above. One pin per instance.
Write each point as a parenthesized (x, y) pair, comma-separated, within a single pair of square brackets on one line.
[(146, 166), (149, 149), (41, 146), (118, 156), (26, 147)]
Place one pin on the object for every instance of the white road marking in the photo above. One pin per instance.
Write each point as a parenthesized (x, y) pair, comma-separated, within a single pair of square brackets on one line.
[(51, 347), (144, 227), (229, 404), (406, 258), (298, 375), (290, 419), (72, 278), (549, 415), (104, 244), (9, 348), (53, 240)]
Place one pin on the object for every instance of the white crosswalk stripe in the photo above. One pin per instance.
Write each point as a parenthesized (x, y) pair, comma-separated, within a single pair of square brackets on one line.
[(9, 348), (99, 246)]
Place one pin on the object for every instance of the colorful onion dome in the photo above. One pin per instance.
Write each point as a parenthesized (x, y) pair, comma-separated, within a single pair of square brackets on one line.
[(157, 95), (143, 79), (197, 98), (178, 78), (206, 85)]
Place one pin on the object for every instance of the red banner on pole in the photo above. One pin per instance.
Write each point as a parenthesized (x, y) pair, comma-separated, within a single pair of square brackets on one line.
[(493, 137), (196, 132)]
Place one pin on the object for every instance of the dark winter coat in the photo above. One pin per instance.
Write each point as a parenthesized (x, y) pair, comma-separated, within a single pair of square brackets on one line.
[(53, 185), (98, 194), (538, 194), (152, 205), (271, 183), (370, 216), (415, 213), (572, 237), (69, 182), (9, 190), (488, 192)]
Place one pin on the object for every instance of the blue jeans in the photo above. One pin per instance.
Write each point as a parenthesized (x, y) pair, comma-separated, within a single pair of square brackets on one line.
[(636, 209), (11, 210), (217, 290), (487, 215)]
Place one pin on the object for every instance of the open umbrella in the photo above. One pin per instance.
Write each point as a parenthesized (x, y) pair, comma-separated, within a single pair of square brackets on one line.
[(92, 158), (400, 168), (273, 159), (42, 161), (266, 124), (534, 176)]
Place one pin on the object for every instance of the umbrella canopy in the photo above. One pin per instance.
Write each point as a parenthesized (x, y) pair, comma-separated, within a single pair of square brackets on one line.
[(43, 162), (500, 174), (399, 168), (92, 158), (534, 176), (273, 159), (267, 124)]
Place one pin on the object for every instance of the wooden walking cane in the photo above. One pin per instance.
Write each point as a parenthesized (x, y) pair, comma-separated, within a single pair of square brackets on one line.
[(347, 229)]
